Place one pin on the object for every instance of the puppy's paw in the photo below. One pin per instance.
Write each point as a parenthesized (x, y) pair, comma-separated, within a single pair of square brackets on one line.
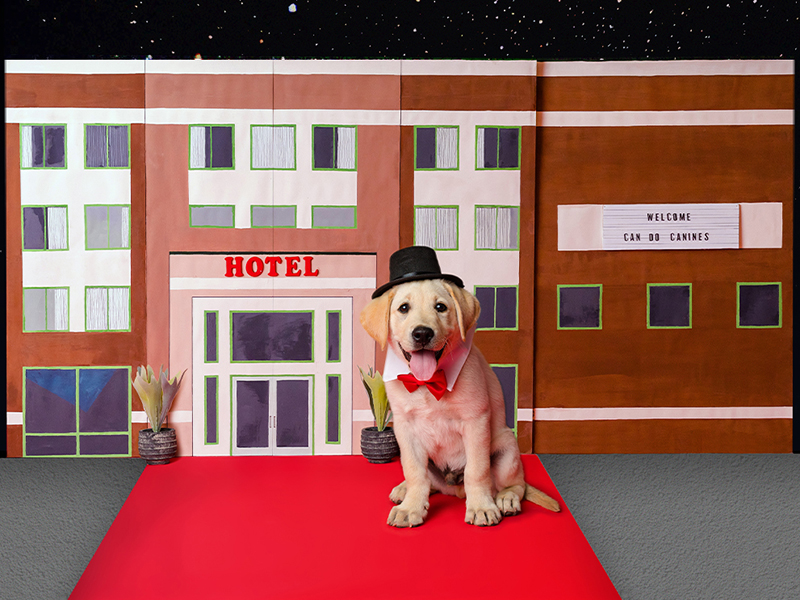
[(398, 493), (404, 516), (484, 514), (508, 502)]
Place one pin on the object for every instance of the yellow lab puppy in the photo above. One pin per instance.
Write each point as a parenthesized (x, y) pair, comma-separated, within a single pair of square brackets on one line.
[(449, 415)]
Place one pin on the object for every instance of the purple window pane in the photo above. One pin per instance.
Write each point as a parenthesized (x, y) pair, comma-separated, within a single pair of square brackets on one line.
[(96, 227), (579, 306), (506, 309), (292, 411), (252, 414), (759, 305), (485, 296), (426, 147), (95, 146), (207, 138), (490, 148), (272, 336), (37, 134), (50, 445), (221, 147), (211, 410), (323, 147), (211, 337), (333, 336), (54, 146), (117, 146), (104, 444), (50, 400), (33, 221), (333, 408), (103, 398), (670, 306), (509, 149), (508, 382)]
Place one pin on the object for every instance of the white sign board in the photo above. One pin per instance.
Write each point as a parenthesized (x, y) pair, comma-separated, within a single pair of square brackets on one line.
[(670, 226)]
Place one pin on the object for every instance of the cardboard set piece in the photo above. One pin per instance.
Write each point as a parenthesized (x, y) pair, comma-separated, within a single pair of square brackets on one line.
[(626, 226)]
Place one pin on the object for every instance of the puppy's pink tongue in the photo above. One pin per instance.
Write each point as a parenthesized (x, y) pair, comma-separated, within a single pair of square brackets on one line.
[(423, 364)]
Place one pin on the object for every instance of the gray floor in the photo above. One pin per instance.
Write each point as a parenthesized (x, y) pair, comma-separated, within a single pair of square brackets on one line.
[(722, 527)]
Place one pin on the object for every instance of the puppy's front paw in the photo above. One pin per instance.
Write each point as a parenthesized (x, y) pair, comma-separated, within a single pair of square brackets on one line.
[(508, 502), (398, 493), (483, 514), (405, 516)]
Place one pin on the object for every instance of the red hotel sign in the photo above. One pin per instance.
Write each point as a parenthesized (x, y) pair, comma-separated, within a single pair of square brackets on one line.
[(255, 266)]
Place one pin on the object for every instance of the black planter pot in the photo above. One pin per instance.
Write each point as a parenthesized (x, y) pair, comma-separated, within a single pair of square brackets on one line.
[(157, 448), (379, 446)]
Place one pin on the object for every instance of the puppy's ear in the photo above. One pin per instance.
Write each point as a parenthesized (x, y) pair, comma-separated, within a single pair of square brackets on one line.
[(468, 309), (375, 317)]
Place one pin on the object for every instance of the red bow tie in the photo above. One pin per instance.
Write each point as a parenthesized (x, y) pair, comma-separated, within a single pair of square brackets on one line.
[(437, 385)]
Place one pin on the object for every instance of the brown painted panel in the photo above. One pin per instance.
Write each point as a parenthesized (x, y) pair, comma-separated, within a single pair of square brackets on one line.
[(343, 92), (666, 93), (406, 186), (14, 441), (664, 436), (454, 92), (209, 91), (13, 272), (75, 91), (525, 436)]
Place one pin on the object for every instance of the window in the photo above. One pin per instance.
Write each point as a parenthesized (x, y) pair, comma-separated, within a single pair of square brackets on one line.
[(212, 336), (507, 374), (436, 148), (272, 336), (497, 148), (43, 146), (498, 307), (334, 147), (273, 216), (759, 305), (211, 216), (332, 418), (211, 147), (580, 307), (333, 217), (76, 411), (108, 309), (44, 228), (212, 410), (496, 228), (273, 147), (334, 335), (107, 146), (45, 309), (108, 227), (669, 305), (436, 227)]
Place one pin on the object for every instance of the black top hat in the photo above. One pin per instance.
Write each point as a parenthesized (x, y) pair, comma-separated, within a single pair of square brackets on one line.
[(412, 264)]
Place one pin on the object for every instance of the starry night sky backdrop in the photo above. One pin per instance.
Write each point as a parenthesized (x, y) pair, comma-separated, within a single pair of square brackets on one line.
[(522, 29)]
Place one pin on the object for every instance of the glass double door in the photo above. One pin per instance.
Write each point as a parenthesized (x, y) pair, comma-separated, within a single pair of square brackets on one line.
[(271, 415)]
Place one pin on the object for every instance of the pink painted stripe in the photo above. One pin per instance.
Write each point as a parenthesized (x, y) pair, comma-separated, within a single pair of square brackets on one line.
[(636, 413), (651, 68)]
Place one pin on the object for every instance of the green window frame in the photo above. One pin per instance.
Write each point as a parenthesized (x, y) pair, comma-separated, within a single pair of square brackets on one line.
[(50, 224), (318, 210), (265, 154), (54, 319), (599, 326), (78, 435), (338, 440), (201, 147), (744, 284), (122, 214), (435, 149), (497, 227), (343, 148), (206, 379), (231, 332), (112, 316), (27, 156), (270, 206), (515, 367), (437, 226), (195, 220), (482, 151), (109, 147), (650, 287), (479, 291)]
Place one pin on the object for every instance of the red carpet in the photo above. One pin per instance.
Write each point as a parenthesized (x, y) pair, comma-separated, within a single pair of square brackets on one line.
[(314, 527)]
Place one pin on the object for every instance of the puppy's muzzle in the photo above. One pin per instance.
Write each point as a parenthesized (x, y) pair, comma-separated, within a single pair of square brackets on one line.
[(422, 335)]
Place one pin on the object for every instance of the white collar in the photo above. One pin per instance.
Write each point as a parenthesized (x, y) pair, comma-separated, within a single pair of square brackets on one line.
[(450, 364)]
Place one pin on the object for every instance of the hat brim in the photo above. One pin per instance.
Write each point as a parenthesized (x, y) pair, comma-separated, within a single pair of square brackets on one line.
[(452, 278)]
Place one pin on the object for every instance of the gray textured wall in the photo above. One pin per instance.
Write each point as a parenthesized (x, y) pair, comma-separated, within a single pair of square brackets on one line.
[(721, 527)]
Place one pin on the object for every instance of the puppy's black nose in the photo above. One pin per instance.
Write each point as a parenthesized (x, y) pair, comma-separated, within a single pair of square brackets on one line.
[(422, 335)]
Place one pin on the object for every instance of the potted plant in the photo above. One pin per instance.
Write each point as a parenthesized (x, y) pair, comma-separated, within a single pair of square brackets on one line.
[(378, 443), (157, 445)]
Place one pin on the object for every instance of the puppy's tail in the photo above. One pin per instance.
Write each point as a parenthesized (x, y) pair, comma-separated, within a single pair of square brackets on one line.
[(540, 498)]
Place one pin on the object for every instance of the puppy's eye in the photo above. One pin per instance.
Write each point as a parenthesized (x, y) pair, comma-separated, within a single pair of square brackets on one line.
[(440, 307), (403, 308)]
